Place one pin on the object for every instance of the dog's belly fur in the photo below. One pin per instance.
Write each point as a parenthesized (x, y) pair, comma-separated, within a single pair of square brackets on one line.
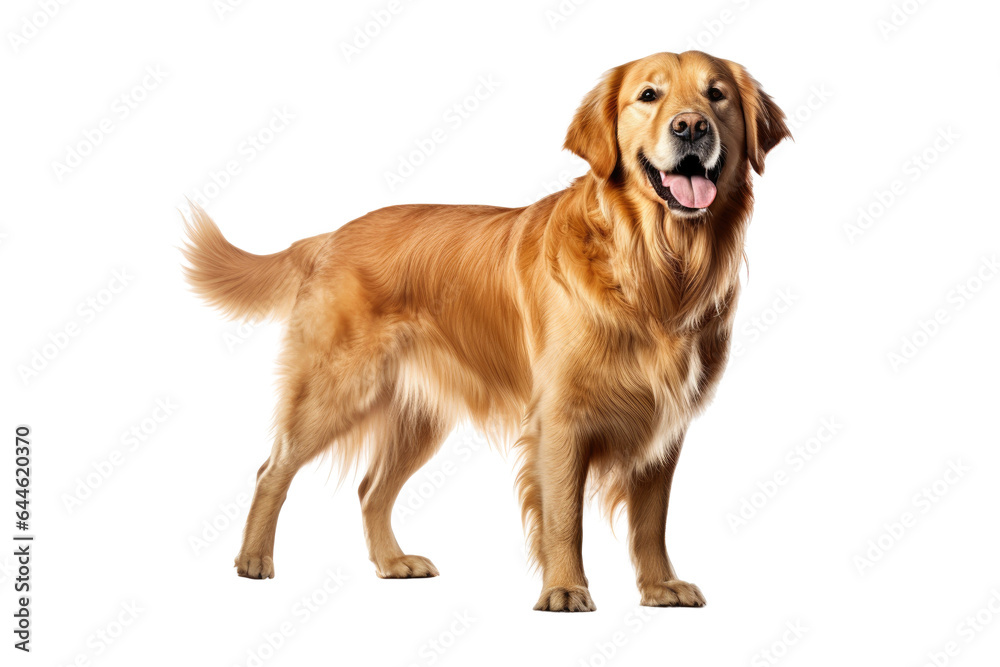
[(637, 413)]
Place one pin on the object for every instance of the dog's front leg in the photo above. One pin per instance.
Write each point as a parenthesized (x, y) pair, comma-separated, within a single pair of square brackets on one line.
[(647, 500), (561, 474)]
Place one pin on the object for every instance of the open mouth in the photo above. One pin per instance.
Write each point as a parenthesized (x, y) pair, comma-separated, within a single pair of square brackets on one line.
[(689, 187)]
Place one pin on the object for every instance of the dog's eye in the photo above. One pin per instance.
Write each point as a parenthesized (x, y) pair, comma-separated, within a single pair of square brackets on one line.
[(648, 95), (715, 94)]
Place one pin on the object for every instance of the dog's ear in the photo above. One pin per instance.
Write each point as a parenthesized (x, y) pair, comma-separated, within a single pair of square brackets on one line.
[(765, 122), (593, 134)]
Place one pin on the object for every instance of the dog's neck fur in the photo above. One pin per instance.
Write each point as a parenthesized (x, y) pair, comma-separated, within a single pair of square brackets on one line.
[(636, 261)]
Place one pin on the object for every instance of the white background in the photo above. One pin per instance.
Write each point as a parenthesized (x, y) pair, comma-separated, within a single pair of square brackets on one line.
[(867, 101)]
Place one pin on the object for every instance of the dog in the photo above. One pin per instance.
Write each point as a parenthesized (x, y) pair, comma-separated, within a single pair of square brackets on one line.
[(589, 328)]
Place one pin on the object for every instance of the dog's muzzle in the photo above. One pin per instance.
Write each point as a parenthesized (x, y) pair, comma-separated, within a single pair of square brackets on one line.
[(689, 186)]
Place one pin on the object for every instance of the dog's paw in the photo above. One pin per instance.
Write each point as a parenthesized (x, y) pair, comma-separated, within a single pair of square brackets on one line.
[(254, 566), (558, 598), (406, 567), (673, 593)]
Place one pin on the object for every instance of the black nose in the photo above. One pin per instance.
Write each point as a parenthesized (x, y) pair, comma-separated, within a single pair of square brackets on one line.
[(689, 126)]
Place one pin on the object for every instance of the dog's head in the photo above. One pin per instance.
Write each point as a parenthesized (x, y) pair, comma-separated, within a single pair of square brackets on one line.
[(677, 129)]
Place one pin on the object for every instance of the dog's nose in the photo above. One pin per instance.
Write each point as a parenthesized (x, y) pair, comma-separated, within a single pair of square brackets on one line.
[(689, 126)]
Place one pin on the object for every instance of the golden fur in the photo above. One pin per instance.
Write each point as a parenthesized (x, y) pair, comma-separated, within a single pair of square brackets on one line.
[(591, 326)]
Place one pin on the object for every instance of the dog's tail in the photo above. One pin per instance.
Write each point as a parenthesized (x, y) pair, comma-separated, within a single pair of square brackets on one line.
[(241, 284)]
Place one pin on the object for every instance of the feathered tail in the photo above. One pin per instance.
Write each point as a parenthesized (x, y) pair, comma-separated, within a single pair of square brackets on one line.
[(239, 283)]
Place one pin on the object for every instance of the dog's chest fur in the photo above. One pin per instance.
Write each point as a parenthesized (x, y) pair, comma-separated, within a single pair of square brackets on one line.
[(643, 402), (674, 369)]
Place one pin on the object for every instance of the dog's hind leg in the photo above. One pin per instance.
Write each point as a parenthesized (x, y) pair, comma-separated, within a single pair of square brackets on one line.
[(409, 437), (322, 402), (255, 560)]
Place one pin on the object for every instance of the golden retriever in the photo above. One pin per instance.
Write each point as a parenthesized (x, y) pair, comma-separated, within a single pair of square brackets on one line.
[(590, 326)]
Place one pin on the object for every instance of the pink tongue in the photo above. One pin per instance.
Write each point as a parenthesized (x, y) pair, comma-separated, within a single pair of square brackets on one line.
[(693, 191)]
